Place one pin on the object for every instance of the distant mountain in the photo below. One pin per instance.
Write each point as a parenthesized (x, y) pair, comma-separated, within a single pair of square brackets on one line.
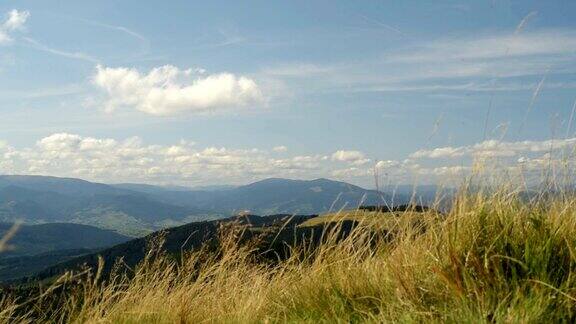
[(137, 209), (278, 196), (36, 200), (214, 187), (140, 187), (151, 189), (64, 186), (38, 239)]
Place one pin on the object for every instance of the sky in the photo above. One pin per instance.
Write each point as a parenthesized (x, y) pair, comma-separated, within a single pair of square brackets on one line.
[(229, 92)]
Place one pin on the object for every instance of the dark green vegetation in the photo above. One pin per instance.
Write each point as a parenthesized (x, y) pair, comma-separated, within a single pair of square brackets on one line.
[(18, 267), (275, 234), (37, 239), (36, 247)]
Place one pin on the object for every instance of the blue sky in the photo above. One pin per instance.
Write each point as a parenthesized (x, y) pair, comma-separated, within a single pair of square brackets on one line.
[(194, 92)]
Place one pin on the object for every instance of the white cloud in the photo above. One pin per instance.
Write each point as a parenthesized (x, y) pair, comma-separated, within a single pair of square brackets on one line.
[(454, 171), (440, 152), (351, 172), (145, 42), (111, 160), (15, 21), (388, 164), (183, 162), (168, 90), (73, 55), (548, 42), (464, 63), (493, 148), (353, 157), (280, 149)]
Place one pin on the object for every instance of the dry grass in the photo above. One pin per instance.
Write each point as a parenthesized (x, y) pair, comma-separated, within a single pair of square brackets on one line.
[(493, 258)]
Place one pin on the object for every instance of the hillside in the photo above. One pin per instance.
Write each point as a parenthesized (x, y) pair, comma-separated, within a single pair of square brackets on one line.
[(17, 267), (276, 234), (191, 237), (38, 239), (36, 247)]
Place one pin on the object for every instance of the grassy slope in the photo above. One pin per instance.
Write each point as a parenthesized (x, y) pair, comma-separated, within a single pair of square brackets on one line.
[(378, 220), (490, 259)]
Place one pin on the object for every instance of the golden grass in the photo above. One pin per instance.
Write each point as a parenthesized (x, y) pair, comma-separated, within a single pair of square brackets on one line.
[(378, 220), (493, 258)]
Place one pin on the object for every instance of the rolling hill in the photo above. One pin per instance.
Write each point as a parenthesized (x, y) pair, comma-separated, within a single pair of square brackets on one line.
[(276, 234), (282, 231), (38, 239), (37, 200), (137, 209), (36, 247)]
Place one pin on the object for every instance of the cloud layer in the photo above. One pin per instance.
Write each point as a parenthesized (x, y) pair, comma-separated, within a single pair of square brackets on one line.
[(493, 148), (461, 63), (131, 160), (354, 157), (168, 90)]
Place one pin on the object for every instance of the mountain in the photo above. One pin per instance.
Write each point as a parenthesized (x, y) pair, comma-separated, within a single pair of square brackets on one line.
[(281, 196), (38, 239), (138, 209), (64, 186), (37, 199), (297, 196), (151, 189)]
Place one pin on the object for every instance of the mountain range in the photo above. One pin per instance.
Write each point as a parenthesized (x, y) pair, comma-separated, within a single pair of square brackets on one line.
[(136, 209)]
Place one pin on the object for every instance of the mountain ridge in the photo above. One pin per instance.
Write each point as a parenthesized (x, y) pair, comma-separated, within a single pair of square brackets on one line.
[(39, 199)]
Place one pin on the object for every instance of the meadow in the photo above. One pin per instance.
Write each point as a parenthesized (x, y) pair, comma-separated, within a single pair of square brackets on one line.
[(494, 256)]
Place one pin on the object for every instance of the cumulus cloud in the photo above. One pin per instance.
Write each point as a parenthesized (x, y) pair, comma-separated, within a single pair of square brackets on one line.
[(493, 148), (15, 21), (351, 172), (353, 157), (280, 149), (168, 90), (185, 163), (387, 164), (130, 159)]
